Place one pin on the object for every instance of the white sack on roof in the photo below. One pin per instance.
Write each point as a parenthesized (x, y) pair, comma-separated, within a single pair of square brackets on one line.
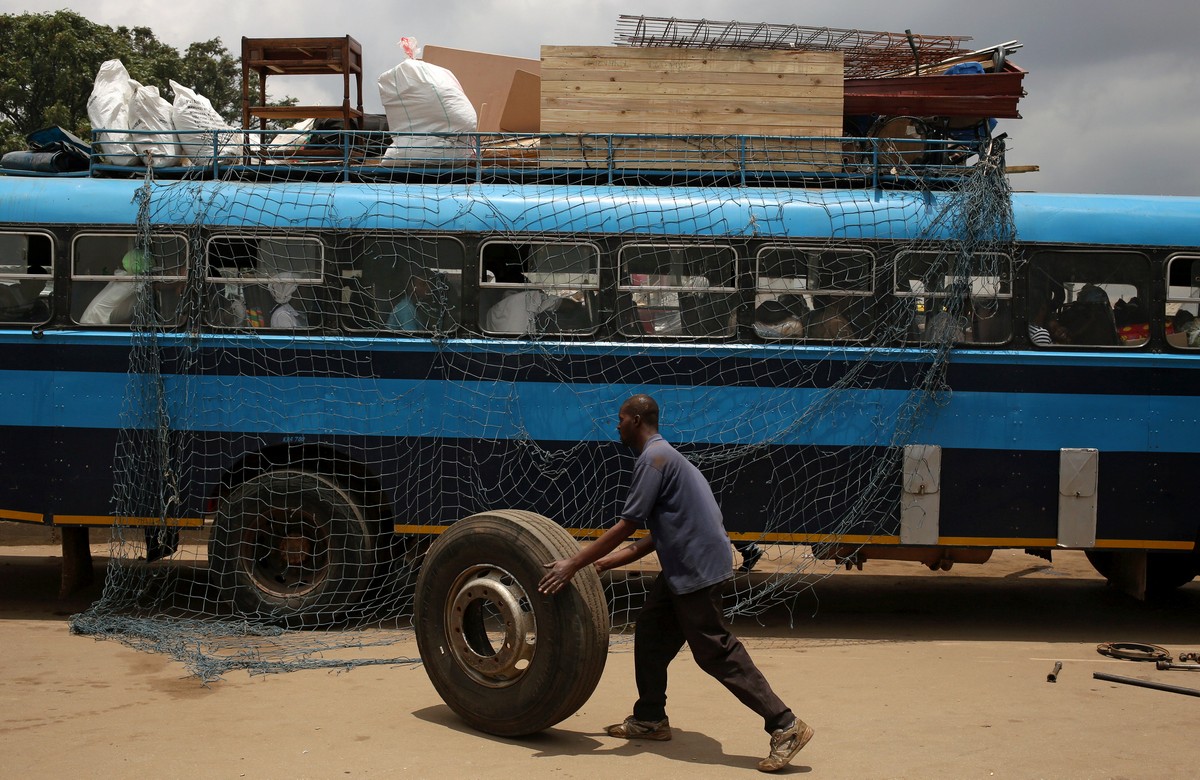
[(149, 111), (193, 111), (419, 97), (108, 110), (287, 143)]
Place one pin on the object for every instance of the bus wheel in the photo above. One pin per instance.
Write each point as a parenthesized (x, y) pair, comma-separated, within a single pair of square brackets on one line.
[(507, 659), (293, 548), (1165, 571)]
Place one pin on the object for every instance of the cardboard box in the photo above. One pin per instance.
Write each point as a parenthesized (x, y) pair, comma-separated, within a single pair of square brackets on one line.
[(504, 90)]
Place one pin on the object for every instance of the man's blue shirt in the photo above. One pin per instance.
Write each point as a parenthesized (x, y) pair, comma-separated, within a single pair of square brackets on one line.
[(672, 500)]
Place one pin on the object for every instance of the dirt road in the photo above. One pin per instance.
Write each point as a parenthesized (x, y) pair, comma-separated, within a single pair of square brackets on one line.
[(904, 674)]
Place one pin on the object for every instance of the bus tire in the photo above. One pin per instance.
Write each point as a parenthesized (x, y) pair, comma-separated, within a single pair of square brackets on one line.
[(507, 659), (1165, 571), (292, 548)]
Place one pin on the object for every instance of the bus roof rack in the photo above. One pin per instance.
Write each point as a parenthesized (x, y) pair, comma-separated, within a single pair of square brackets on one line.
[(915, 160)]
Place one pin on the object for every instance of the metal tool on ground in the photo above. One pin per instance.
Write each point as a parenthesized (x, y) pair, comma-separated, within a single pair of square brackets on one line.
[(1146, 684), (1167, 665), (1191, 656), (1053, 676), (1133, 651)]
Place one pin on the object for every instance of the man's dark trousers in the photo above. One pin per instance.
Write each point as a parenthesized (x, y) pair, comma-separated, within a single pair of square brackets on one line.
[(665, 622)]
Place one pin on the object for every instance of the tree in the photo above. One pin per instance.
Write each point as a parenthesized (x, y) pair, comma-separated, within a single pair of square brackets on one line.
[(217, 75), (48, 63)]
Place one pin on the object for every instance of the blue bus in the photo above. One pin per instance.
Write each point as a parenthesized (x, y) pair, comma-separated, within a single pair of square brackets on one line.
[(316, 372)]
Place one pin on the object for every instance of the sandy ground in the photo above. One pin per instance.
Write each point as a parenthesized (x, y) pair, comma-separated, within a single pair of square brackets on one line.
[(903, 673)]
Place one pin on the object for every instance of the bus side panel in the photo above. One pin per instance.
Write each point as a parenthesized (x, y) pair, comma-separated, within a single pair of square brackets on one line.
[(806, 490), (57, 471), (1002, 494)]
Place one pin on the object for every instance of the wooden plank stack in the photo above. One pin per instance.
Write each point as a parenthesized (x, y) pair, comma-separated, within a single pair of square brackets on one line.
[(702, 96)]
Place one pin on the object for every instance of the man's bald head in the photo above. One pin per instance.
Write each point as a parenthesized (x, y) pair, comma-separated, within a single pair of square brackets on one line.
[(642, 406), (637, 421)]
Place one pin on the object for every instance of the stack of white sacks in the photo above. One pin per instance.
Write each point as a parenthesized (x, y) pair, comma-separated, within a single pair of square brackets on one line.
[(119, 103), (419, 97)]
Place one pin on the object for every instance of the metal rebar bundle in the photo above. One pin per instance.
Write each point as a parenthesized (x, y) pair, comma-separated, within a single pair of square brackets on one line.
[(868, 54)]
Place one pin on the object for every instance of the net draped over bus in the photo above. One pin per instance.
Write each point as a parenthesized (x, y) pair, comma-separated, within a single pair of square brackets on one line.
[(314, 391)]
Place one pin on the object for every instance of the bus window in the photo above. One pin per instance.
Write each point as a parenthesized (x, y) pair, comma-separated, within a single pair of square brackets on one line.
[(1089, 298), (538, 287), (812, 293), (406, 284), (948, 302), (109, 275), (265, 282), (26, 277), (678, 291), (1183, 301)]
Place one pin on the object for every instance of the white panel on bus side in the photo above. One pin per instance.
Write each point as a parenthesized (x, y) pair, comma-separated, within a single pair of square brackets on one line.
[(920, 500), (1078, 475)]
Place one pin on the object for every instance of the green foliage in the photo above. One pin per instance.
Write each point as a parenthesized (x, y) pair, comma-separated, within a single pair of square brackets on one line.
[(49, 60), (48, 63)]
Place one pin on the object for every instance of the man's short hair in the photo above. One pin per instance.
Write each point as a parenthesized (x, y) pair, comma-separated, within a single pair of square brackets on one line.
[(643, 406)]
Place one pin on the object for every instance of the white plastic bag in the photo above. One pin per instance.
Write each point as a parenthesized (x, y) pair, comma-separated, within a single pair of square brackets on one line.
[(193, 111), (108, 110), (285, 145), (149, 111), (419, 97)]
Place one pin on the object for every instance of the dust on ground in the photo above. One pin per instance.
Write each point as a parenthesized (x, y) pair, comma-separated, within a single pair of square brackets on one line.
[(904, 673)]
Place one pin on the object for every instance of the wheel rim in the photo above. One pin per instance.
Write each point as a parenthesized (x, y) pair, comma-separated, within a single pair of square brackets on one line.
[(286, 552), (490, 625)]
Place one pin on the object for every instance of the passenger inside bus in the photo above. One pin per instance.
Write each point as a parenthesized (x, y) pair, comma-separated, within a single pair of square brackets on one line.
[(285, 314), (235, 303), (992, 320), (424, 304), (943, 326), (113, 305), (781, 318), (708, 314), (1044, 328), (655, 311), (1133, 322), (519, 311), (21, 299), (529, 310), (1182, 303), (828, 320), (1185, 330), (1089, 318), (948, 319), (24, 299), (411, 303)]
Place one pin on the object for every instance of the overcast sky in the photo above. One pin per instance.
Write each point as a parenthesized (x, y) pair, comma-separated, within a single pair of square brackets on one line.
[(1114, 85)]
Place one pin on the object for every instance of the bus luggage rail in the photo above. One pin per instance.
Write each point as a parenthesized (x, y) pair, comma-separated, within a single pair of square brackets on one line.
[(603, 159)]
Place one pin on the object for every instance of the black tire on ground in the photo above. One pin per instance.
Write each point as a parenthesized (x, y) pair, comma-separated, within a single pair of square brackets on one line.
[(507, 659), (1165, 571), (293, 548)]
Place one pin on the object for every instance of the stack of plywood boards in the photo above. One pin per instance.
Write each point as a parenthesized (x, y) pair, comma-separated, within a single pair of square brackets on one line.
[(765, 110)]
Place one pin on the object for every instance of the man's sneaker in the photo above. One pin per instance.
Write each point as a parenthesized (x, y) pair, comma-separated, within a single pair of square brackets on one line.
[(785, 744), (631, 728), (751, 554)]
